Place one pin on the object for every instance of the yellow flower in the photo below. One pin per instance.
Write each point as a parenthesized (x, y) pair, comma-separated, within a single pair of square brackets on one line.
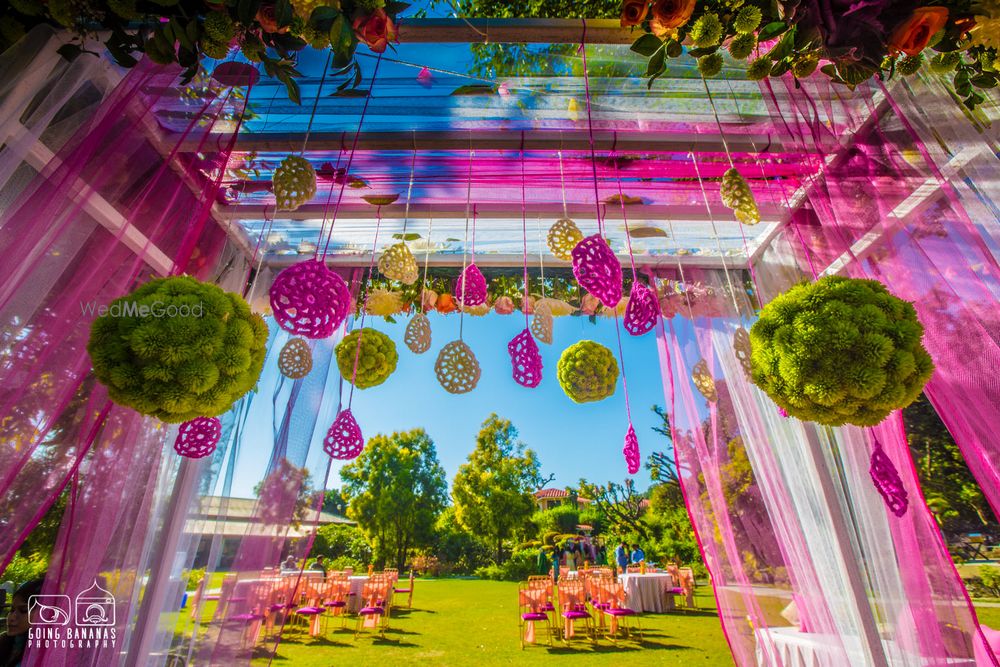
[(383, 302), (557, 307), (987, 32)]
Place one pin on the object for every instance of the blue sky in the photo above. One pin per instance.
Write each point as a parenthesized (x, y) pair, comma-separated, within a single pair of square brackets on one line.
[(572, 440)]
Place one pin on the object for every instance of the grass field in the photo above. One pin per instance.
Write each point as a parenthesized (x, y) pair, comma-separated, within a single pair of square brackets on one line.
[(473, 622)]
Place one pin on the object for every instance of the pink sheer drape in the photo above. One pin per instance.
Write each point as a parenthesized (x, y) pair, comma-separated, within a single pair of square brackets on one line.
[(111, 208)]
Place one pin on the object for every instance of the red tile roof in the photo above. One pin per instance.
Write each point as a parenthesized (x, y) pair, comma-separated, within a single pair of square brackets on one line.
[(551, 493)]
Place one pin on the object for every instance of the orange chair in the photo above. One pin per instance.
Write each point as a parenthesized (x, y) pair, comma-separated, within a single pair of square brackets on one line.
[(532, 601), (376, 598), (573, 606), (408, 591), (611, 603)]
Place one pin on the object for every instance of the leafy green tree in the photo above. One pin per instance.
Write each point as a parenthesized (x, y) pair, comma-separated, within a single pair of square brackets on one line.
[(951, 491), (395, 491), (338, 540), (542, 9), (560, 519), (493, 491), (334, 502), (461, 550)]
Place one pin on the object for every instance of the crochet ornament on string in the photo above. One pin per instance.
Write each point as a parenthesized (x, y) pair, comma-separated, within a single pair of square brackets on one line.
[(310, 300), (398, 263), (418, 334), (344, 441), (294, 183), (525, 360), (295, 359), (562, 238), (198, 437), (457, 368), (597, 269)]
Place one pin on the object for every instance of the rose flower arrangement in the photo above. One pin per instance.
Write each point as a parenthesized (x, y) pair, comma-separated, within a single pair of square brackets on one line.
[(269, 32), (848, 40)]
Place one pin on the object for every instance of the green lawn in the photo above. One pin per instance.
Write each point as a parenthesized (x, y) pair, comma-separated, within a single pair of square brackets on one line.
[(464, 622)]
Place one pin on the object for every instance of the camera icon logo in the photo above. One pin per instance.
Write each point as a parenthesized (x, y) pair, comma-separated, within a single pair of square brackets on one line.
[(95, 607), (48, 610)]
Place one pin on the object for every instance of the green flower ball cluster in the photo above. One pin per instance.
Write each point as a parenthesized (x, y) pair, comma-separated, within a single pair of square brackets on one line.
[(839, 351), (587, 372), (376, 361), (177, 348)]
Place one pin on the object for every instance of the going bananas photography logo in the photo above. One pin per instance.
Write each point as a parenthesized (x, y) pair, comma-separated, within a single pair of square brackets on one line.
[(87, 621)]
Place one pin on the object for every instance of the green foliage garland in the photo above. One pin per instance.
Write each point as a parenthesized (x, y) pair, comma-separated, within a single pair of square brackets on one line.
[(177, 348), (840, 351), (587, 372), (376, 361), (269, 32)]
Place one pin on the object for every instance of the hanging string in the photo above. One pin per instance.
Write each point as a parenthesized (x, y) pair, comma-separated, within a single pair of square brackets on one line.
[(350, 158), (562, 180), (767, 186), (715, 232), (524, 234), (409, 188), (265, 232), (621, 199), (541, 253), (475, 219), (427, 258), (729, 156), (590, 129), (621, 360), (319, 91), (364, 307), (329, 197), (465, 244)]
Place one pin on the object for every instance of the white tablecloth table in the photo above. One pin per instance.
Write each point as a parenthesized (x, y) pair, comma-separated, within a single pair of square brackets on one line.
[(644, 592), (354, 597), (789, 647)]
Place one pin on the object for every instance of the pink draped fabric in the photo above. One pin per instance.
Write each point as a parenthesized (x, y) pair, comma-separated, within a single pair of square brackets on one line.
[(110, 209)]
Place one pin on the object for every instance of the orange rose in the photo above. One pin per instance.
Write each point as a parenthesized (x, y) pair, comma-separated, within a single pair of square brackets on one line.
[(634, 12), (445, 304), (268, 20), (376, 30), (671, 14), (915, 32)]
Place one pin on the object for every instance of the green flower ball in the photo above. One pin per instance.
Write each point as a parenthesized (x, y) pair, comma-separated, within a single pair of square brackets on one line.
[(742, 46), (839, 351), (177, 348), (587, 372), (706, 31), (747, 19), (759, 69), (711, 64), (377, 358), (219, 27)]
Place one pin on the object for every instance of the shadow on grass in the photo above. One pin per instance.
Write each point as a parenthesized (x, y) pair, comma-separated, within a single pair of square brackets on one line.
[(623, 646)]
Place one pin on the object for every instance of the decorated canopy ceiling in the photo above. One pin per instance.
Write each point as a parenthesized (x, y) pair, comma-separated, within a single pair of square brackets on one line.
[(457, 115)]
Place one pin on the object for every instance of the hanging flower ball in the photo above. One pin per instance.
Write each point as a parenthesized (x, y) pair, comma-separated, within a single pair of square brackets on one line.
[(177, 348), (295, 359), (418, 334), (376, 361), (470, 288), (736, 194), (344, 441), (839, 351), (598, 270), (198, 437), (310, 300), (383, 302), (398, 263), (563, 237), (525, 359), (457, 368), (587, 372), (504, 305), (294, 183)]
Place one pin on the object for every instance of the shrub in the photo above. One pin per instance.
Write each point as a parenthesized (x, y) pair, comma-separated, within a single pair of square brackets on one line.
[(25, 568), (518, 567), (337, 540), (345, 562), (194, 577), (839, 350), (562, 519)]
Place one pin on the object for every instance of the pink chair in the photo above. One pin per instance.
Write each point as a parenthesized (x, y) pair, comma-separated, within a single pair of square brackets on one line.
[(532, 602), (408, 591), (573, 603), (612, 604), (375, 599)]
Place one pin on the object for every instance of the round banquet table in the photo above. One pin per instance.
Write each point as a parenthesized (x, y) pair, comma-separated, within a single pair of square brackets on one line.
[(644, 592), (354, 596), (790, 647)]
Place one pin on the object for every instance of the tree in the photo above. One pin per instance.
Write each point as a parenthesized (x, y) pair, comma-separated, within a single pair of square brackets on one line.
[(286, 495), (951, 491), (338, 540), (334, 502), (493, 491), (620, 503), (395, 491)]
